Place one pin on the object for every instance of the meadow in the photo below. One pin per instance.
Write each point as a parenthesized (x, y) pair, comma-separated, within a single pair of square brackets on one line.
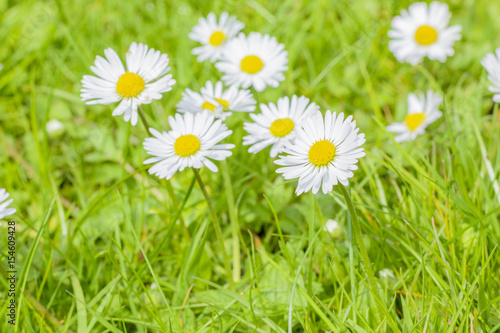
[(103, 246)]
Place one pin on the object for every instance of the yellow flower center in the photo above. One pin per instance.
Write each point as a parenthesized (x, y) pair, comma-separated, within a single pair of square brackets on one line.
[(281, 127), (414, 120), (211, 107), (251, 64), (223, 102), (208, 106), (426, 35), (321, 153), (217, 38), (130, 85), (186, 145)]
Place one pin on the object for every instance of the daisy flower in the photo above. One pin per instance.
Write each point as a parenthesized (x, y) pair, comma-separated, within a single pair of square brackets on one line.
[(142, 82), (386, 273), (213, 36), (422, 111), (214, 98), (492, 65), (276, 125), (192, 141), (323, 153), (4, 210), (334, 229), (331, 226), (255, 60), (422, 31), (54, 126)]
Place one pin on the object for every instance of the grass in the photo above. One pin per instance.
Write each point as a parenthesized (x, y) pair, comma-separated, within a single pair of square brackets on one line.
[(105, 247)]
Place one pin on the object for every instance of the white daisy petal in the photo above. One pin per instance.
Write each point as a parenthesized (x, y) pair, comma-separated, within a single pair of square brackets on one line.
[(4, 209), (491, 62)]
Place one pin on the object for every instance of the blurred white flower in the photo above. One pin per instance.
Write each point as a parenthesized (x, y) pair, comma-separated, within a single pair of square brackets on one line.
[(334, 229), (386, 273), (422, 31), (4, 209), (54, 128), (491, 62), (214, 35), (422, 111), (331, 226), (214, 98)]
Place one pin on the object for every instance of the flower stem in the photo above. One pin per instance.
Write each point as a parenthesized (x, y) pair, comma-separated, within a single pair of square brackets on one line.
[(233, 216), (217, 227), (310, 244), (170, 188), (143, 118)]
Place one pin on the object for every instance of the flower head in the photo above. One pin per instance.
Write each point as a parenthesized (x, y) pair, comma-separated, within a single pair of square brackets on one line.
[(324, 152), (331, 226), (254, 60), (422, 111), (491, 63), (386, 273), (214, 35), (143, 81), (422, 31), (277, 125), (192, 142), (54, 128), (217, 100), (4, 210)]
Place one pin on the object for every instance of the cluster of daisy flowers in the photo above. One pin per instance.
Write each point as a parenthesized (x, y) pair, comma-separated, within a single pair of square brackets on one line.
[(321, 150)]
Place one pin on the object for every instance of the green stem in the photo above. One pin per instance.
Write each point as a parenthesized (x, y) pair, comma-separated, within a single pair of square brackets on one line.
[(311, 240), (233, 216), (170, 189), (218, 230), (143, 118), (171, 193)]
